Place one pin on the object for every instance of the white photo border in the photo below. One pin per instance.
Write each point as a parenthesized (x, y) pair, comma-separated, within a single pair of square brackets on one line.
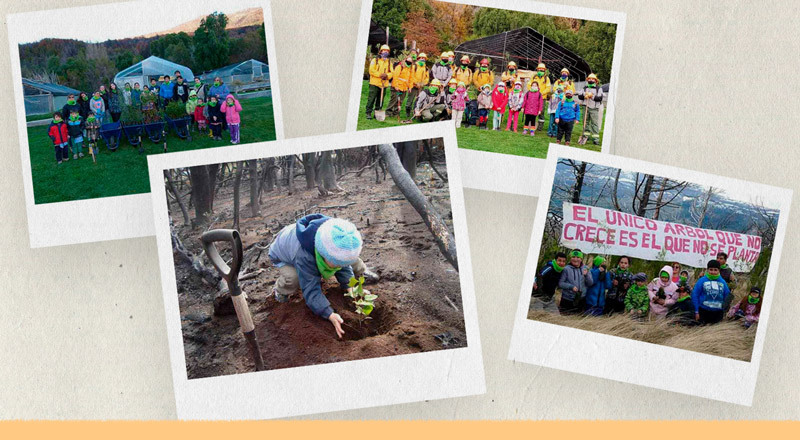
[(295, 391), (497, 171), (623, 359), (104, 218)]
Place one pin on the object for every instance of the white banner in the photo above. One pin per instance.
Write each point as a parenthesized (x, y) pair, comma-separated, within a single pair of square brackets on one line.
[(607, 232)]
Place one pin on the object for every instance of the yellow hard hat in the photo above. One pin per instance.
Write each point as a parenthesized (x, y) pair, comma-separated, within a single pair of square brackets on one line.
[(565, 70), (592, 76), (435, 82), (422, 55), (385, 47), (511, 63), (452, 81), (541, 66), (465, 58)]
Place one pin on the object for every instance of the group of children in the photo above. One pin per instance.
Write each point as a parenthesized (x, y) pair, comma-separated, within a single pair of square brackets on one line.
[(443, 93), (594, 290), (81, 119)]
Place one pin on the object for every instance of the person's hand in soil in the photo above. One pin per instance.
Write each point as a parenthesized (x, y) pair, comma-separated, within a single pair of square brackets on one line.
[(337, 322)]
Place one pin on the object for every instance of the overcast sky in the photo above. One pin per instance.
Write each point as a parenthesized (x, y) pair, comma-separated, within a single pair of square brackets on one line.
[(118, 21)]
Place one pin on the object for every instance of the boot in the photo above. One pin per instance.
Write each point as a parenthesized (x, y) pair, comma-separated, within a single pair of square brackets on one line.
[(566, 143), (595, 141), (525, 130)]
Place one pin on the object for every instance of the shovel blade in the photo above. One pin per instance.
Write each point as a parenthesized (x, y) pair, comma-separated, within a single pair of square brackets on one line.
[(582, 140), (380, 115)]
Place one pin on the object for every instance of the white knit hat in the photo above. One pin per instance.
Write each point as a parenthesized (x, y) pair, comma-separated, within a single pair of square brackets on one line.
[(338, 242)]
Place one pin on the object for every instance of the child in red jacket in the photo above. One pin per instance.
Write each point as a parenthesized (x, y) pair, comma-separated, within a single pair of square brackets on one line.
[(60, 137), (499, 102), (199, 115)]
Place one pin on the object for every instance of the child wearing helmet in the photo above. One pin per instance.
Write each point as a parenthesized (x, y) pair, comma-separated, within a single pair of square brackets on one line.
[(313, 248), (463, 74), (483, 75), (592, 97), (511, 75), (380, 75), (442, 70), (431, 105), (420, 77), (564, 81)]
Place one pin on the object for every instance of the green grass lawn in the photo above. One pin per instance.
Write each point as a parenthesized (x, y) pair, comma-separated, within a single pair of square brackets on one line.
[(124, 171), (486, 140)]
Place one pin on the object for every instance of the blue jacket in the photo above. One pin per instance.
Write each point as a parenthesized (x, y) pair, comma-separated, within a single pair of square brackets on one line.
[(166, 91), (567, 112), (294, 245), (221, 91), (710, 295), (596, 293)]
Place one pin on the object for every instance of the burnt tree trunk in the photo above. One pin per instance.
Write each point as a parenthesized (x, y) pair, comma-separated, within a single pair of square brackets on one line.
[(237, 185), (310, 165), (327, 177), (441, 233), (254, 204), (203, 179), (407, 151), (290, 174), (644, 200), (171, 186), (579, 175)]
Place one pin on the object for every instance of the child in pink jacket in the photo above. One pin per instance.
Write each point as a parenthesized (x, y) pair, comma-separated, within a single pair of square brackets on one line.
[(663, 292), (532, 107), (232, 108), (458, 102)]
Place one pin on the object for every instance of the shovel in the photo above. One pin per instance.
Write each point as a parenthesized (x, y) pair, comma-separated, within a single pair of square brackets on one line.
[(582, 140), (380, 114), (231, 276), (91, 150)]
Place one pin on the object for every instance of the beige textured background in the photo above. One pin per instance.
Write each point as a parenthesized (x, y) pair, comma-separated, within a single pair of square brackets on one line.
[(705, 85)]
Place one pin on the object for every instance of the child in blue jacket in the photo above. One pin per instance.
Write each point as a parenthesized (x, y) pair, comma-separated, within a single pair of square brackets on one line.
[(596, 293), (709, 295), (567, 113), (316, 247)]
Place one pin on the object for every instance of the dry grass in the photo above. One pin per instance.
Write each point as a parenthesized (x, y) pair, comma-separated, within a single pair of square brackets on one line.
[(727, 339)]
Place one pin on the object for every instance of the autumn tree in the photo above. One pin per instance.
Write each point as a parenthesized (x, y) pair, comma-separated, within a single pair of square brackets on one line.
[(420, 29)]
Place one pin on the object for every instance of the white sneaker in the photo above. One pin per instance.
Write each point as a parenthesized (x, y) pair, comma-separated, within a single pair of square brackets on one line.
[(74, 156)]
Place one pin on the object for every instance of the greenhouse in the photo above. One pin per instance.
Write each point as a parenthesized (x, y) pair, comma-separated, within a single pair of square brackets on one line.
[(41, 97), (149, 68), (246, 72), (527, 48)]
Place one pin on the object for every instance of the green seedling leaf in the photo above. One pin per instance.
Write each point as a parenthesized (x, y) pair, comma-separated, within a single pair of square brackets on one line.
[(367, 309), (352, 282), (361, 280), (370, 297)]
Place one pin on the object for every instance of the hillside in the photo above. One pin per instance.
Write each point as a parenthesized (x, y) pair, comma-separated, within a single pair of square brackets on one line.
[(244, 18)]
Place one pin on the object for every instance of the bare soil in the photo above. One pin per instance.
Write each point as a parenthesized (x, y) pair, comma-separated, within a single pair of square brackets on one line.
[(419, 304)]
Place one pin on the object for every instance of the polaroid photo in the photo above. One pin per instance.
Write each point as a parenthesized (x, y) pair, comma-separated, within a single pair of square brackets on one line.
[(332, 274), (650, 274), (93, 101), (512, 76)]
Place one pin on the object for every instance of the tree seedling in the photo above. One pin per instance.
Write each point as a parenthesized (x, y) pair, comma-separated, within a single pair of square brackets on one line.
[(364, 302)]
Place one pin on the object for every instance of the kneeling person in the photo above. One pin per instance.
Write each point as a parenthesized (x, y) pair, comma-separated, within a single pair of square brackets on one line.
[(316, 247)]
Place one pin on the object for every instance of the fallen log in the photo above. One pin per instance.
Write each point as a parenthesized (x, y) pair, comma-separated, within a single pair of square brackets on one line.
[(441, 233)]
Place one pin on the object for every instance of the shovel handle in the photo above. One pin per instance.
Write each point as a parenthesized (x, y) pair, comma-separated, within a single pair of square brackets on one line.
[(209, 238)]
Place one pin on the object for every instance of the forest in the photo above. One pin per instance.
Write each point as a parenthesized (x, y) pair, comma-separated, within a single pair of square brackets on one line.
[(397, 196), (439, 26), (86, 65)]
